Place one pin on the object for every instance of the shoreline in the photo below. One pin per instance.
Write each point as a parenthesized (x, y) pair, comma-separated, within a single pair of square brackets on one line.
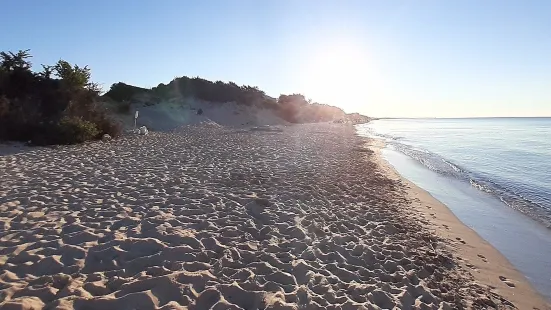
[(475, 255)]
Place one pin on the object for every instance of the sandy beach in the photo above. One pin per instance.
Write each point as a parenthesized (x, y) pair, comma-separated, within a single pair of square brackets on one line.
[(208, 217)]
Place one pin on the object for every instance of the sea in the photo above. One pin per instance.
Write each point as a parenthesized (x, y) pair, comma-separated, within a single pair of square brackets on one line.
[(493, 173)]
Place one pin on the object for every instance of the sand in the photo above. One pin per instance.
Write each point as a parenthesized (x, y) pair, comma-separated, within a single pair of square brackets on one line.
[(207, 217)]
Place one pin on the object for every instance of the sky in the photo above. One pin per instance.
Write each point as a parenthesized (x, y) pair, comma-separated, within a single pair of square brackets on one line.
[(394, 58)]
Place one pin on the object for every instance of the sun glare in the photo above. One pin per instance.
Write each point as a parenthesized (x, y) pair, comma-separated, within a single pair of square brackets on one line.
[(338, 76)]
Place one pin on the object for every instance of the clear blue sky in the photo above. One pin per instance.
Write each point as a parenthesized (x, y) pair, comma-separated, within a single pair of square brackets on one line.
[(382, 58)]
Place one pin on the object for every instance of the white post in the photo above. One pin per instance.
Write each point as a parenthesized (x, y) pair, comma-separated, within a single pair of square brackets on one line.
[(136, 118)]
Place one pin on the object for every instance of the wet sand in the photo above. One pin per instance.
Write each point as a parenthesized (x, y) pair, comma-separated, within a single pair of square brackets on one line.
[(206, 217), (474, 254)]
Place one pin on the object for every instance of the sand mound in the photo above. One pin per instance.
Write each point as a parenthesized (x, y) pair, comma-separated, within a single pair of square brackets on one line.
[(212, 218), (171, 114)]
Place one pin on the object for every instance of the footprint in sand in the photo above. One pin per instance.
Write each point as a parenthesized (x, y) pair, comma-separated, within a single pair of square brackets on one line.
[(483, 258), (460, 240), (507, 281)]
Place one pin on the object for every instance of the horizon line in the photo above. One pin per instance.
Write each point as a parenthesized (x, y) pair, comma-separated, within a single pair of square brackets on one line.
[(460, 117)]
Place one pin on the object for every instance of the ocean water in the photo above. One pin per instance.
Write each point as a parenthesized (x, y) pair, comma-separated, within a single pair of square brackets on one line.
[(509, 158), (494, 174)]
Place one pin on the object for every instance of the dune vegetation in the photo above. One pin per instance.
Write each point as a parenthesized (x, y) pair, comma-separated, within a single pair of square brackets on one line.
[(294, 108)]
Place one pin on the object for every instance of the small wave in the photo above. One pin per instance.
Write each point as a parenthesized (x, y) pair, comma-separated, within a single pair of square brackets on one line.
[(366, 131), (454, 167), (446, 167), (480, 187), (430, 160)]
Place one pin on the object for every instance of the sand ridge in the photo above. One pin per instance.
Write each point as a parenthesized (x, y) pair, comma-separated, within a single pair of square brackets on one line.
[(293, 217)]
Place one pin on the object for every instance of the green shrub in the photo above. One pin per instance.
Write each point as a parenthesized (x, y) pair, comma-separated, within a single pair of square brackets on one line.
[(71, 130), (56, 106)]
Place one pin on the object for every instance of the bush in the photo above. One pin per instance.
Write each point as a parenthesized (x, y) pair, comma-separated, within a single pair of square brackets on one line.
[(108, 125), (73, 130), (68, 130), (46, 110)]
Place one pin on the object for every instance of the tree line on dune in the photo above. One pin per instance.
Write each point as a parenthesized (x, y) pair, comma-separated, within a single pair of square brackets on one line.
[(294, 108), (61, 105)]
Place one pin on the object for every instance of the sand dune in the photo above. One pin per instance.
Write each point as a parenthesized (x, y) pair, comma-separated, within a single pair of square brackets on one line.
[(212, 218), (171, 114)]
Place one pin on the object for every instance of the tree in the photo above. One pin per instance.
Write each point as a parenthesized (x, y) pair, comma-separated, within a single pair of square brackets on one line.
[(17, 61), (47, 71), (75, 77)]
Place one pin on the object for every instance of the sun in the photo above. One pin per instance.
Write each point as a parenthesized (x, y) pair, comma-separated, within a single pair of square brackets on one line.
[(338, 75)]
